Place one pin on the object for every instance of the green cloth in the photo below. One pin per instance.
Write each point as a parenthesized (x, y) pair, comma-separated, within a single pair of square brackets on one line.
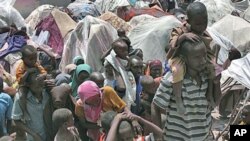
[(74, 85), (77, 58)]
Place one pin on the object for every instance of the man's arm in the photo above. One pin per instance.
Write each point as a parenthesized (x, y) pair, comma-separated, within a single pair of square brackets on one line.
[(25, 128), (156, 114)]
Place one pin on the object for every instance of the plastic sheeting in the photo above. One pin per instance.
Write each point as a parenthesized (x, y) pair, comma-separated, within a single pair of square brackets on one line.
[(141, 19), (217, 9), (239, 70), (152, 37), (224, 43), (9, 14), (110, 5), (236, 30), (246, 14), (37, 15), (90, 39), (241, 5)]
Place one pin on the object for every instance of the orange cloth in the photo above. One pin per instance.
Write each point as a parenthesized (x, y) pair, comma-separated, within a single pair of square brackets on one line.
[(110, 101), (21, 69)]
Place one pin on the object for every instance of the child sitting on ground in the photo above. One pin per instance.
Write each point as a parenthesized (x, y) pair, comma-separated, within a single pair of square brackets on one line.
[(122, 129), (28, 65), (64, 126), (194, 30)]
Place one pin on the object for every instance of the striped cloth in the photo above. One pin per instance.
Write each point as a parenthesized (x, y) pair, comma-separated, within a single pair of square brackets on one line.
[(196, 124)]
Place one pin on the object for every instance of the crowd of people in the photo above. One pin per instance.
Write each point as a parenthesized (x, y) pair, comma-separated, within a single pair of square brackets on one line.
[(131, 99)]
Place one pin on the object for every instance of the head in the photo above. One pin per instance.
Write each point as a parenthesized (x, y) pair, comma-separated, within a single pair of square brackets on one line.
[(70, 69), (82, 73), (78, 60), (121, 32), (121, 48), (29, 55), (106, 120), (98, 78), (194, 55), (91, 97), (197, 17), (136, 65), (155, 68), (1, 84), (234, 54), (148, 89), (62, 118), (60, 95), (138, 52), (125, 131), (35, 82)]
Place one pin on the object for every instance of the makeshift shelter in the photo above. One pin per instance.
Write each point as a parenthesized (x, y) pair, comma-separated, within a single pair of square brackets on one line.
[(81, 8), (217, 9), (236, 30), (152, 37), (90, 39), (141, 19), (9, 15), (115, 21)]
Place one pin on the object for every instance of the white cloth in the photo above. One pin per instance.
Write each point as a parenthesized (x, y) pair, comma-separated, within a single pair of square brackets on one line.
[(127, 76)]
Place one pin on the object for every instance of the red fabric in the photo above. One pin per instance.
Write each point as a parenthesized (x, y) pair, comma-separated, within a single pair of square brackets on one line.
[(55, 39), (127, 13)]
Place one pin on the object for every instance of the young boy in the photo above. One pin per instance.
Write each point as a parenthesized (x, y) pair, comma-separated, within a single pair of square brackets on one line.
[(28, 65), (196, 124), (122, 129), (98, 78), (64, 126), (6, 104), (194, 30), (106, 121)]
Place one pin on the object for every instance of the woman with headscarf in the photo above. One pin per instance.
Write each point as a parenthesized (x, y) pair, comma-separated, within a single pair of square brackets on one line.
[(78, 60), (155, 69), (80, 75), (93, 100)]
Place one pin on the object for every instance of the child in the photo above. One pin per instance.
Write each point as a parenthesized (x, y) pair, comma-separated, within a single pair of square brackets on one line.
[(122, 129), (193, 30), (106, 120), (64, 126), (98, 78), (28, 65), (6, 104)]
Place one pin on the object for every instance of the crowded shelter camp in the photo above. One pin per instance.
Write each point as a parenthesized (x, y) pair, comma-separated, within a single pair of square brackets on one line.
[(123, 70)]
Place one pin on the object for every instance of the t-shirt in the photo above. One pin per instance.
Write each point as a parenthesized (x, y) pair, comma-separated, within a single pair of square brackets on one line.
[(194, 126), (35, 109), (6, 104)]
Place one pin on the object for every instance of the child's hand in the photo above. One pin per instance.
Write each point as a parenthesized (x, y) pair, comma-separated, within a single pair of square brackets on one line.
[(189, 36), (121, 116)]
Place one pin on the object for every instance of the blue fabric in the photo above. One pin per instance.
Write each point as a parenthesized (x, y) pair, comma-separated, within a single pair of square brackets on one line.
[(166, 67), (15, 42), (6, 104)]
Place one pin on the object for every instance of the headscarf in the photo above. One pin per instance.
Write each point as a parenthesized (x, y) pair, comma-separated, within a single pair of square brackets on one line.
[(62, 78), (86, 90), (152, 64), (77, 58), (79, 69), (69, 68)]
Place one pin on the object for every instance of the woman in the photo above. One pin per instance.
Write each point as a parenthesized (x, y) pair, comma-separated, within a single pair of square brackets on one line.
[(154, 68), (93, 100), (81, 74)]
